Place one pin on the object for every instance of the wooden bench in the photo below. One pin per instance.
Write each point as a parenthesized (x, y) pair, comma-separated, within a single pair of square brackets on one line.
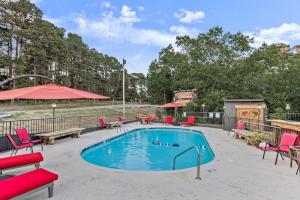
[(242, 134), (113, 124), (48, 138)]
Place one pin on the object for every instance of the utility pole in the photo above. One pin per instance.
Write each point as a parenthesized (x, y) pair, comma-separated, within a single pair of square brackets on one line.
[(124, 62)]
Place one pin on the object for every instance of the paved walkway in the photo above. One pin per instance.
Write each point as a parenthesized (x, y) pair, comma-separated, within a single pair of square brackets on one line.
[(237, 173)]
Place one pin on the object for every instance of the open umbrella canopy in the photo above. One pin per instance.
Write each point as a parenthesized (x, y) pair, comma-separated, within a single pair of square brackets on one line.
[(48, 92), (172, 105)]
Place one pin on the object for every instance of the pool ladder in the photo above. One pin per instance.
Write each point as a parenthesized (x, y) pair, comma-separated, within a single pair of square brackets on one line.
[(198, 159), (125, 129)]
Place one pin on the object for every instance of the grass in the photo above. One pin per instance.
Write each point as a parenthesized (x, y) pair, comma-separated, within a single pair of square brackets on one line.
[(21, 112)]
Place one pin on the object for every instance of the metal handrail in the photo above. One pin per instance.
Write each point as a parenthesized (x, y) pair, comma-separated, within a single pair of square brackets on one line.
[(198, 159)]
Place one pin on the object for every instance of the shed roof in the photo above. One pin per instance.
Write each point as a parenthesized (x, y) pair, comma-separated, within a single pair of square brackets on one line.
[(245, 100)]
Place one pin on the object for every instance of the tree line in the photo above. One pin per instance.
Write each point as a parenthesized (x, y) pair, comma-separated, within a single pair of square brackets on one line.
[(222, 65), (31, 45)]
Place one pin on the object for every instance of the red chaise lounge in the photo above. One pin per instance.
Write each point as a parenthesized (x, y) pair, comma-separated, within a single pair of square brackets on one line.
[(168, 120), (27, 183), (20, 161), (190, 121)]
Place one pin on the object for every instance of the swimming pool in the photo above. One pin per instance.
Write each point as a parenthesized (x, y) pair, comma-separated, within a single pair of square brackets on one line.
[(149, 149)]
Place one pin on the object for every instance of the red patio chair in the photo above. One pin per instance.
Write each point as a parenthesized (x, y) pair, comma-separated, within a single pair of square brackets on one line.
[(102, 123), (168, 120), (17, 147), (121, 119), (148, 119), (154, 119), (26, 183), (287, 140), (25, 137), (190, 121), (20, 161), (239, 125)]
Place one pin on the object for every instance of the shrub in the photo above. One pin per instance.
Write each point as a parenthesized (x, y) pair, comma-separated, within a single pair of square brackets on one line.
[(257, 138)]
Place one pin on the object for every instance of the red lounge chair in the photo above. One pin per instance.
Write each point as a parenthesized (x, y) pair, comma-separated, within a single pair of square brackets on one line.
[(102, 123), (189, 122), (148, 119), (26, 183), (239, 125), (287, 140), (168, 120), (25, 137), (20, 161), (17, 147)]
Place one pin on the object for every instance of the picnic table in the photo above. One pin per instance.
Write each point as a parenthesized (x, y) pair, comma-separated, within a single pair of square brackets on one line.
[(49, 138)]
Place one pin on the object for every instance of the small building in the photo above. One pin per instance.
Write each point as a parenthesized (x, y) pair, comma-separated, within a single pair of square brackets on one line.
[(244, 109), (184, 96)]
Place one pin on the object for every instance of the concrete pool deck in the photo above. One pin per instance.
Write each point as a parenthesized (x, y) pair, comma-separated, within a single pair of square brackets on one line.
[(237, 173)]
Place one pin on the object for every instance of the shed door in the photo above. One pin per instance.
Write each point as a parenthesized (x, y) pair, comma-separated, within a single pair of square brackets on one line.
[(251, 114)]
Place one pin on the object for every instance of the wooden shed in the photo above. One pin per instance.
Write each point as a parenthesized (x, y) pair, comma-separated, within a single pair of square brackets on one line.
[(244, 109)]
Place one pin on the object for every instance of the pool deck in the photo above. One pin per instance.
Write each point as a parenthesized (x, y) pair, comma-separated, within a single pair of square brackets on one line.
[(237, 173)]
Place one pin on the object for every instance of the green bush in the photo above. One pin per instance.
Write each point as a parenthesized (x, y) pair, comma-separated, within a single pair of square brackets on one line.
[(257, 138)]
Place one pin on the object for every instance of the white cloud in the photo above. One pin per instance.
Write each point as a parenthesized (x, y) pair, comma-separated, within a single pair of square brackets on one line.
[(122, 29), (186, 16), (128, 15), (35, 1), (288, 33), (141, 8), (181, 30), (56, 21)]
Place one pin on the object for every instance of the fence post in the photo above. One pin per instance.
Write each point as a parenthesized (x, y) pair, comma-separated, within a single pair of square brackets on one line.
[(10, 127), (80, 121), (53, 124)]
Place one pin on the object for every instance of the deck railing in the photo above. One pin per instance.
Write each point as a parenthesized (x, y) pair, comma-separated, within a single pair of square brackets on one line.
[(44, 125)]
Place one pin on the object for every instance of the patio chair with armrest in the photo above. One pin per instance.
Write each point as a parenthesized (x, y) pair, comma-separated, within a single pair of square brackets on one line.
[(287, 140), (154, 119), (18, 147), (149, 118), (25, 138), (295, 156), (238, 126), (102, 123)]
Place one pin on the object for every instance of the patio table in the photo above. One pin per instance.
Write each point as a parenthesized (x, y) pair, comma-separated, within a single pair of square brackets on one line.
[(143, 119)]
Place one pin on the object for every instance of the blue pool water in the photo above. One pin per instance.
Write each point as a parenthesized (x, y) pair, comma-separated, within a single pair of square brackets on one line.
[(136, 150)]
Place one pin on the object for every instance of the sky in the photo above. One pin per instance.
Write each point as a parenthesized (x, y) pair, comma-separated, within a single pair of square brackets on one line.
[(138, 30)]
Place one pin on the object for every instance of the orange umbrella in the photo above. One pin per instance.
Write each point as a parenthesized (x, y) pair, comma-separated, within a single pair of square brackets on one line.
[(48, 92)]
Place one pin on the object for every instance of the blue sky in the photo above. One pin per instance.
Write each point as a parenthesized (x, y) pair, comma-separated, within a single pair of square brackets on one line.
[(138, 30)]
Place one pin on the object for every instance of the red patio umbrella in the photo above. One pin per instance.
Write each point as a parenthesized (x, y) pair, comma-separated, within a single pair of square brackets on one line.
[(172, 105), (48, 92)]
